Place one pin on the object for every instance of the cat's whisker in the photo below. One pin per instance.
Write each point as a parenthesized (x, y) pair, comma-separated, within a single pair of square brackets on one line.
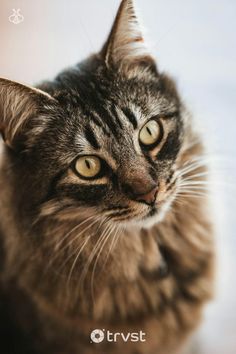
[(74, 253), (179, 200), (112, 245), (191, 167), (114, 210), (103, 238), (87, 265), (76, 258), (194, 181), (197, 175), (207, 157), (211, 182), (76, 236), (114, 242), (189, 193), (203, 161), (102, 245), (71, 231), (91, 257), (195, 186)]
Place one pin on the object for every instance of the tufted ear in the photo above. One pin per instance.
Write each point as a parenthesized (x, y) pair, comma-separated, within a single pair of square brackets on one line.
[(18, 104), (125, 46)]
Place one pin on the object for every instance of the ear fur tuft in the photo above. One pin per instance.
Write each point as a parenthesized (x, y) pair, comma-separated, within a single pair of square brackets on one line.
[(18, 103), (126, 46)]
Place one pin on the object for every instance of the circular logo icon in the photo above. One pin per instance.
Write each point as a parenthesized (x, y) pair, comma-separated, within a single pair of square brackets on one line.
[(97, 336)]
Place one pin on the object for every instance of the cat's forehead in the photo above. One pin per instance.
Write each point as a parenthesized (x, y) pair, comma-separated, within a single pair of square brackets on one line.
[(104, 112), (96, 88), (120, 103)]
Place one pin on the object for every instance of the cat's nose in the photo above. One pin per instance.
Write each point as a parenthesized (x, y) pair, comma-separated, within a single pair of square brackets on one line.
[(148, 198), (144, 191)]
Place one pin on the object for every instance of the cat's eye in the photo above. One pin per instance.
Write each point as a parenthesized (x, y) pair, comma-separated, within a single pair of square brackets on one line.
[(150, 133), (88, 166)]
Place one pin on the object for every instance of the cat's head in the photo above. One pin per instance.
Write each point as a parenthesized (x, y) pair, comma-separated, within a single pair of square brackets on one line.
[(102, 140)]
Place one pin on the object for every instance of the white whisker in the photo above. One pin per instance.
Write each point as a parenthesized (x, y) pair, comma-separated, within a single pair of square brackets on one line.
[(189, 193), (71, 231), (194, 186), (76, 237), (86, 268), (110, 231), (76, 259)]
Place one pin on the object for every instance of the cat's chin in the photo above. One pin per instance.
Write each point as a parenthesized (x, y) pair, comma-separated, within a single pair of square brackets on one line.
[(154, 216)]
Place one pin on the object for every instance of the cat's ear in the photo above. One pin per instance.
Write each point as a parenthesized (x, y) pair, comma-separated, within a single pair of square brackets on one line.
[(18, 105), (126, 47)]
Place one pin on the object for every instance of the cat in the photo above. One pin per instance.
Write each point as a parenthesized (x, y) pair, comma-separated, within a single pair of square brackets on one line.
[(104, 221)]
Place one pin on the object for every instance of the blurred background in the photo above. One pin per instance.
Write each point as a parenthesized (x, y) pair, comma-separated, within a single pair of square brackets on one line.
[(195, 41)]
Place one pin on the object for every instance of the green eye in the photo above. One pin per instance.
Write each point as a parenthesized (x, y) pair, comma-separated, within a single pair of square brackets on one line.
[(150, 133), (88, 166)]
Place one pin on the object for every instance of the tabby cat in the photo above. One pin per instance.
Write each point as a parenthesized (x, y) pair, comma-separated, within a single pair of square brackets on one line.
[(104, 221)]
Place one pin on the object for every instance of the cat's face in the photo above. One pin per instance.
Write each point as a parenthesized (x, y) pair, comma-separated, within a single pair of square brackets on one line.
[(105, 139), (120, 141)]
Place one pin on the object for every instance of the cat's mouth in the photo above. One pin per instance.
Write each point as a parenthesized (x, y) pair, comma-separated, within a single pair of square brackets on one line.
[(144, 214), (153, 210), (147, 216)]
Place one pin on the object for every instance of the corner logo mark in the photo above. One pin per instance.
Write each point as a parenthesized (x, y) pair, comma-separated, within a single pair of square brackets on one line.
[(97, 336), (16, 17)]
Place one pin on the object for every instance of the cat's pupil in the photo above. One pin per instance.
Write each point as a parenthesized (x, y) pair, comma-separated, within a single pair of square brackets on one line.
[(87, 164), (149, 131)]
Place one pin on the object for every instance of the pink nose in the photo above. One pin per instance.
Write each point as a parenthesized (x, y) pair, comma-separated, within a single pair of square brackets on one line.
[(148, 198)]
